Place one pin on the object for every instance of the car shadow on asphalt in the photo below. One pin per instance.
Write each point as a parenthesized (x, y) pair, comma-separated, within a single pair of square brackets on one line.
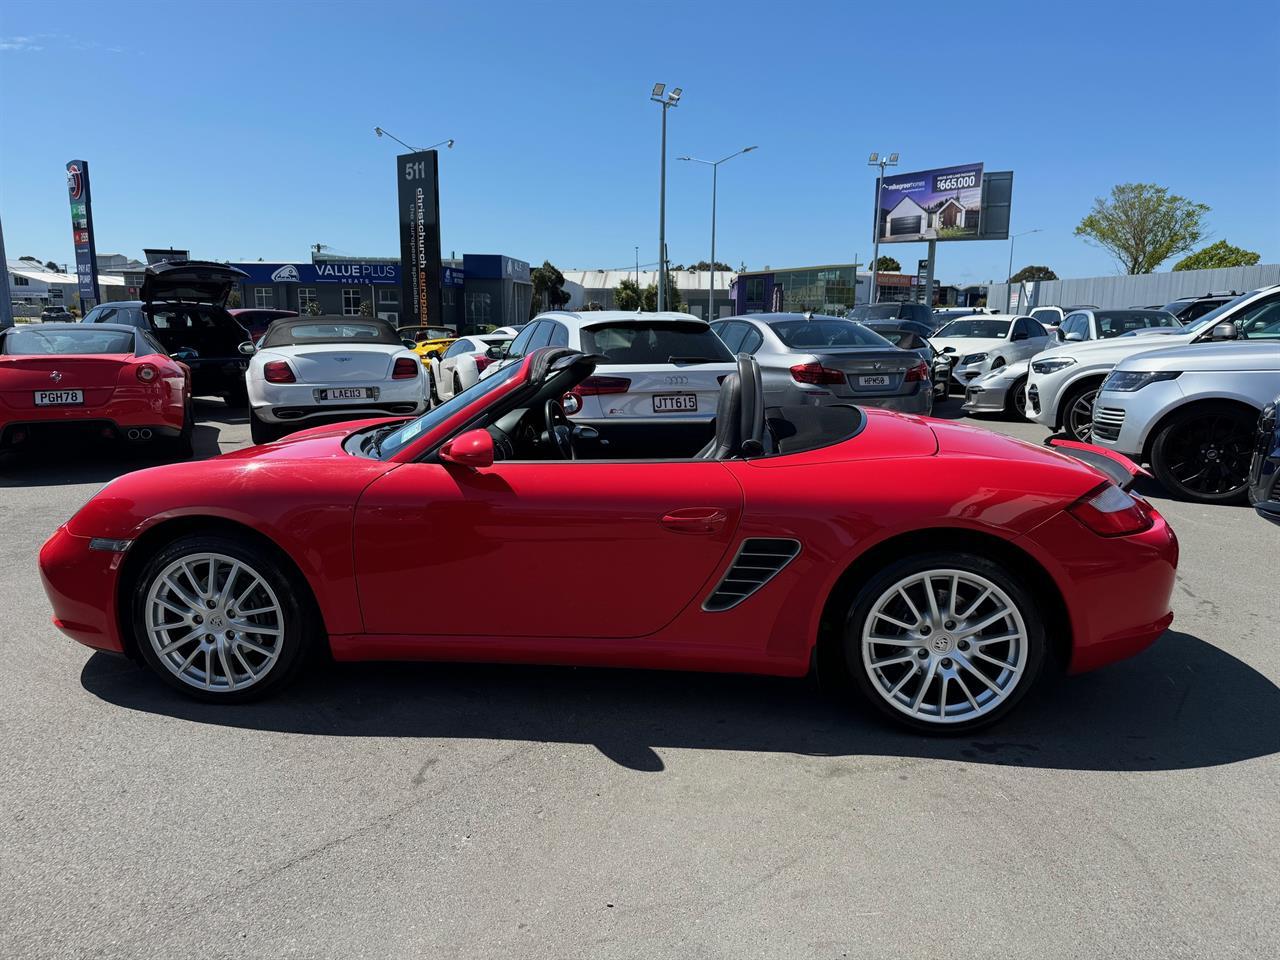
[(1182, 704)]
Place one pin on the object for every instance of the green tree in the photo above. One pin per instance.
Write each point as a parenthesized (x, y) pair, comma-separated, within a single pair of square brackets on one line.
[(52, 267), (233, 299), (313, 309), (627, 295), (888, 265), (548, 289), (674, 300), (1143, 225), (706, 265), (1033, 273), (366, 308), (1216, 255)]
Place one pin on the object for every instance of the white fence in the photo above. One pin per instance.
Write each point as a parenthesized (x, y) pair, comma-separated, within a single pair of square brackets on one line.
[(1143, 290)]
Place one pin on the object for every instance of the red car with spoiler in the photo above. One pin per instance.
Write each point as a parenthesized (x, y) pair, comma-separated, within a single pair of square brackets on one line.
[(935, 571)]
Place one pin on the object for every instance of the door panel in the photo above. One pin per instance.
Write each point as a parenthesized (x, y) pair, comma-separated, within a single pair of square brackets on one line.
[(558, 549)]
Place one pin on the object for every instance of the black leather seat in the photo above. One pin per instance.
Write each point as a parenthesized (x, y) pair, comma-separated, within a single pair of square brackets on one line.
[(739, 414)]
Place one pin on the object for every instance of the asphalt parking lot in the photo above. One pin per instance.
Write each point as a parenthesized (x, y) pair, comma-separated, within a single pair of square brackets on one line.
[(465, 811)]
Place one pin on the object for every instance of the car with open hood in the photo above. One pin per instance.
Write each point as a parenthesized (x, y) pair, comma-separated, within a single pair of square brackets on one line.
[(183, 306), (935, 571)]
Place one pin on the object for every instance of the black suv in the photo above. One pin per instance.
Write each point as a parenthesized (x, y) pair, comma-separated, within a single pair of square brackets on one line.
[(1187, 309), (893, 311), (184, 306)]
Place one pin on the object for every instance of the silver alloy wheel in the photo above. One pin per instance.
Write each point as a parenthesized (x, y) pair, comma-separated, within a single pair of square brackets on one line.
[(214, 622), (1080, 416), (944, 646)]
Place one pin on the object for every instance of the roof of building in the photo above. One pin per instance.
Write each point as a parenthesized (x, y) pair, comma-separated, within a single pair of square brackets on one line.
[(683, 279)]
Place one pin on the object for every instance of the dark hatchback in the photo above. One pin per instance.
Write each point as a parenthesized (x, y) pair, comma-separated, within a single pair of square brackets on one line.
[(1264, 472), (183, 306)]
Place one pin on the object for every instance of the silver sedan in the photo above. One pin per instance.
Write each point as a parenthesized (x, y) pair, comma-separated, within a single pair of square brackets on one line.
[(814, 360)]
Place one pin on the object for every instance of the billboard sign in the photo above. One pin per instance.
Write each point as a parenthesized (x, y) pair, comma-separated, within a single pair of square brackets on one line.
[(347, 273), (419, 199), (82, 233), (942, 204)]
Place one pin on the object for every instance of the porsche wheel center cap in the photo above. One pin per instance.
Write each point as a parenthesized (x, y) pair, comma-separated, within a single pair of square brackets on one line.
[(216, 623), (942, 644)]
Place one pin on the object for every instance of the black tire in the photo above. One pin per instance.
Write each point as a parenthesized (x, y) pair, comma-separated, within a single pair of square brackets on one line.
[(948, 660), (433, 395), (1203, 453), (1077, 397), (236, 396), (1015, 404), (457, 385), (181, 447), (299, 630), (260, 431)]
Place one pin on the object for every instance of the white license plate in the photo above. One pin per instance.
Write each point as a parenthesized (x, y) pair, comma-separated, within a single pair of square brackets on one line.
[(58, 398), (344, 393), (880, 381), (675, 403)]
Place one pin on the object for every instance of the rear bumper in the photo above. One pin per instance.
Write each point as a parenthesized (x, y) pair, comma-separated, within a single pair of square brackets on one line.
[(107, 421), (333, 413), (919, 402), (81, 586), (1117, 590)]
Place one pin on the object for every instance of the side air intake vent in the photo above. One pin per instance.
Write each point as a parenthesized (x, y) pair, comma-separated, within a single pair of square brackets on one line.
[(759, 560)]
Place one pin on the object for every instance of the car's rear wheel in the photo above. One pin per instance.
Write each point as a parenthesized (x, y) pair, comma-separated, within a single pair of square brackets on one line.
[(220, 619), (1015, 404), (260, 431), (1204, 453), (944, 642), (1077, 412), (457, 385)]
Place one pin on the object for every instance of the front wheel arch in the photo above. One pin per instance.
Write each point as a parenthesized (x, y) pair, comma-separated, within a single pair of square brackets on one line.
[(1168, 415), (156, 538), (828, 653)]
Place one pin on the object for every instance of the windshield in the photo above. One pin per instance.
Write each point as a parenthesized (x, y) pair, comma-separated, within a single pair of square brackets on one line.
[(29, 343), (1116, 323), (832, 332), (402, 436), (633, 342), (977, 327)]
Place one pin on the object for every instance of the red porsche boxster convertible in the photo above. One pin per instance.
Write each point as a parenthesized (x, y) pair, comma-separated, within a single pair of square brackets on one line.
[(110, 380), (939, 570)]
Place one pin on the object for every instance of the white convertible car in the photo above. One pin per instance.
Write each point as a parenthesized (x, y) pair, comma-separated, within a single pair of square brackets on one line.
[(466, 357), (307, 371)]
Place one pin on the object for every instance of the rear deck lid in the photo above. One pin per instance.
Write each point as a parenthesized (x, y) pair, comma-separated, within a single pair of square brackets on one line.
[(191, 281)]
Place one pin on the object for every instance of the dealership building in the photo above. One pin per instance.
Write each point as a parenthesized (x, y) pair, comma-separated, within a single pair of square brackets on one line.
[(477, 290)]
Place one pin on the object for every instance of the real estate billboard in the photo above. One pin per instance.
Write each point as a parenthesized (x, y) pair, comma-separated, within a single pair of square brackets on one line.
[(942, 204), (419, 198)]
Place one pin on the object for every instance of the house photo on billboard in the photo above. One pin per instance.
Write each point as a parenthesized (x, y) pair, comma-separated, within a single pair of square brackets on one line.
[(944, 204)]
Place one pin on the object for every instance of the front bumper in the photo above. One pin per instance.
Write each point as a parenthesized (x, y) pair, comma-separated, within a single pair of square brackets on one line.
[(1122, 419), (1043, 391), (80, 583), (989, 396)]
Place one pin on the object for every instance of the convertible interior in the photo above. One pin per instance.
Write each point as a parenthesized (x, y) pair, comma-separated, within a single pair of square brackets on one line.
[(534, 426)]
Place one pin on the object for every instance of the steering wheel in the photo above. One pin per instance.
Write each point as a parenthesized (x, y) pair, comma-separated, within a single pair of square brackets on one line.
[(559, 430)]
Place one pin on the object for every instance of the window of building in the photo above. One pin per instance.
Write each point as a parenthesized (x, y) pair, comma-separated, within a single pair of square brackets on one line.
[(351, 302), (20, 281), (306, 297), (755, 289), (264, 298), (388, 295)]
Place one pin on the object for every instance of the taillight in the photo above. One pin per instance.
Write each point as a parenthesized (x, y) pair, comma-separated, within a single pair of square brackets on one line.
[(595, 386), (482, 361), (815, 373), (1111, 512), (147, 373), (404, 369), (919, 372), (277, 371)]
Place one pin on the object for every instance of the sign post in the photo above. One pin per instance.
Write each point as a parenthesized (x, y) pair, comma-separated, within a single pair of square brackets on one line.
[(928, 273), (82, 234), (419, 200), (6, 304)]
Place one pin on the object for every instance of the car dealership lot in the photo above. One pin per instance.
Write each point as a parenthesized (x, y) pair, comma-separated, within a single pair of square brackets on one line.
[(452, 810)]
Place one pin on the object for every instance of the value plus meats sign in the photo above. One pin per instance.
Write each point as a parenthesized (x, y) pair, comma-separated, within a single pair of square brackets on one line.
[(82, 233), (419, 196)]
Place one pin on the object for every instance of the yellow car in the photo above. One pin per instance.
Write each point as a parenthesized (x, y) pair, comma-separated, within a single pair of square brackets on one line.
[(430, 343)]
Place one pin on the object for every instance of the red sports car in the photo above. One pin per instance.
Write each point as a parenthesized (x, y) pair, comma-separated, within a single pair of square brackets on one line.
[(110, 380), (941, 569)]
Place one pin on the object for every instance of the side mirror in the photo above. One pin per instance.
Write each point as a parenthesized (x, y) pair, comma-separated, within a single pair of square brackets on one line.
[(473, 450), (1225, 331), (494, 353), (183, 355), (948, 349), (1075, 336), (408, 343), (1020, 335), (248, 349)]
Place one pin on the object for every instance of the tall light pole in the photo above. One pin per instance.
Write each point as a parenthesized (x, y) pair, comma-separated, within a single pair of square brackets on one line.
[(6, 305), (666, 101), (447, 144), (876, 160), (1013, 237), (715, 169)]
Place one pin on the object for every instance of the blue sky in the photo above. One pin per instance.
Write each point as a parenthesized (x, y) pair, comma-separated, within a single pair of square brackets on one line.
[(244, 130)]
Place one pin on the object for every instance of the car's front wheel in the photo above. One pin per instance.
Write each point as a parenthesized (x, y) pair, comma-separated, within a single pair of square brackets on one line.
[(1077, 412), (944, 642), (1015, 404), (1204, 453), (220, 619)]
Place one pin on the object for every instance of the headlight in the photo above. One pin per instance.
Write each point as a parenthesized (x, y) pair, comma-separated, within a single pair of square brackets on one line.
[(1129, 380), (1052, 365), (973, 358)]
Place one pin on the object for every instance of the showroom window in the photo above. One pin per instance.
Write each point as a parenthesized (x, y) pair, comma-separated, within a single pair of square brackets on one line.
[(264, 297), (351, 302), (306, 297)]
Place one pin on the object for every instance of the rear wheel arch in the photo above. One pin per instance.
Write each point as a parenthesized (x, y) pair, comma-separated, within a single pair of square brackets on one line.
[(156, 538), (828, 649)]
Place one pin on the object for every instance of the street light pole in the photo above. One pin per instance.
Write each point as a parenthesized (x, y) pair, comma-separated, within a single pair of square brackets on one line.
[(1013, 237), (666, 101), (875, 160), (447, 144), (715, 170)]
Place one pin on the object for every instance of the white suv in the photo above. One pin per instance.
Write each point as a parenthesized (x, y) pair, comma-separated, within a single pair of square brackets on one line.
[(1064, 380)]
